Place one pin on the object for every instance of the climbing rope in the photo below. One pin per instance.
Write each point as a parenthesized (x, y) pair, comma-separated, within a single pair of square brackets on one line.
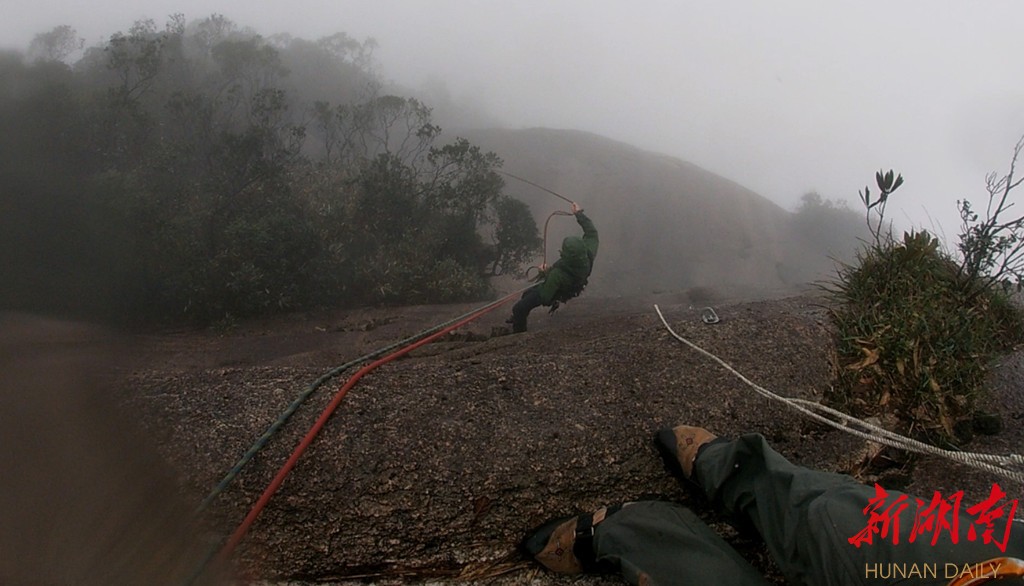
[(546, 222), (279, 478), (410, 343), (285, 415), (553, 214), (1009, 466), (528, 182)]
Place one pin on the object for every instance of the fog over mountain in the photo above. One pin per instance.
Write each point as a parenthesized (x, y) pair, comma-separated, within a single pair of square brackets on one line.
[(177, 183), (665, 224), (781, 97)]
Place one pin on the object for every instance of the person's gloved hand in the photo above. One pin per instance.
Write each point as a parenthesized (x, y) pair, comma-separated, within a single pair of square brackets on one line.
[(576, 208)]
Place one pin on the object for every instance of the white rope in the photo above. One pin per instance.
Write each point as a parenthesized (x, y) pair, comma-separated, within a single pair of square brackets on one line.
[(1009, 466)]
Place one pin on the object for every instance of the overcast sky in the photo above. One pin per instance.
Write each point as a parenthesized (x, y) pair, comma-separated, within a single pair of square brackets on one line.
[(782, 96)]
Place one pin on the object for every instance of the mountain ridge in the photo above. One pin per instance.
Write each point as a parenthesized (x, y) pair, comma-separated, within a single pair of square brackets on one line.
[(666, 224)]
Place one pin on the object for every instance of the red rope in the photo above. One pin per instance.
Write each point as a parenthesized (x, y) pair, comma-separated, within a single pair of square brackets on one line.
[(546, 222), (242, 529)]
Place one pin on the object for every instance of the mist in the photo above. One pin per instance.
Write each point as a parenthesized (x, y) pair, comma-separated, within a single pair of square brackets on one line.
[(782, 97), (747, 99)]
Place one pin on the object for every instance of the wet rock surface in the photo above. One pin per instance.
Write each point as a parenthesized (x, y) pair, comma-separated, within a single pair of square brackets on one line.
[(435, 465)]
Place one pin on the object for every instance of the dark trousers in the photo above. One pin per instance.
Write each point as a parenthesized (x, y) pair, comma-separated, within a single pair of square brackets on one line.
[(806, 518), (521, 310)]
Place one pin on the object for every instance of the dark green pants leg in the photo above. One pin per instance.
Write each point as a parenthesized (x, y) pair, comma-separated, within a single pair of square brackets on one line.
[(659, 543), (806, 518), (529, 300)]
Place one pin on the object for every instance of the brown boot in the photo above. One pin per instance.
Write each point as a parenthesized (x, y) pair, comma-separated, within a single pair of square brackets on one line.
[(679, 445), (566, 545)]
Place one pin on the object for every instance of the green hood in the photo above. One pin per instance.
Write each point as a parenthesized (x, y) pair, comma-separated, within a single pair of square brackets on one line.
[(574, 258)]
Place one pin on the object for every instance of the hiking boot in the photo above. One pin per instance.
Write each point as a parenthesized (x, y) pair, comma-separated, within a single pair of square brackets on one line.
[(518, 323), (678, 448), (566, 545)]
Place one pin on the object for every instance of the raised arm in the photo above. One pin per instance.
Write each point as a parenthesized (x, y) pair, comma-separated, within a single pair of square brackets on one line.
[(589, 231)]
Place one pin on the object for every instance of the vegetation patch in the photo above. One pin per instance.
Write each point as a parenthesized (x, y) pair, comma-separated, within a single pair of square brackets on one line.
[(201, 172), (919, 325)]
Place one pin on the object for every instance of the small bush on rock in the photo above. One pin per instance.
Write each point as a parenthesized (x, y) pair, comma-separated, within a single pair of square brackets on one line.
[(917, 326)]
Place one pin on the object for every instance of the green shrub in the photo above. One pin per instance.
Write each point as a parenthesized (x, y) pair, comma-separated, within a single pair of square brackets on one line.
[(913, 341)]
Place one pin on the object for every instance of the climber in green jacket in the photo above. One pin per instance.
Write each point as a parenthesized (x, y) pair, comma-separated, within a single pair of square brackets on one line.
[(563, 280)]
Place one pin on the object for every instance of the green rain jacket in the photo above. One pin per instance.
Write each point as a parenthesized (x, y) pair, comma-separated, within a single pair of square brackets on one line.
[(568, 276)]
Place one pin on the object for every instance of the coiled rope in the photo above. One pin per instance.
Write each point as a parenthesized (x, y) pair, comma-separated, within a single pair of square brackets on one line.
[(1009, 466)]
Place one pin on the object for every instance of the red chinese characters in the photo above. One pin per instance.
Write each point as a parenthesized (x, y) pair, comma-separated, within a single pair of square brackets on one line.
[(941, 514), (987, 513), (991, 518), (881, 521)]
